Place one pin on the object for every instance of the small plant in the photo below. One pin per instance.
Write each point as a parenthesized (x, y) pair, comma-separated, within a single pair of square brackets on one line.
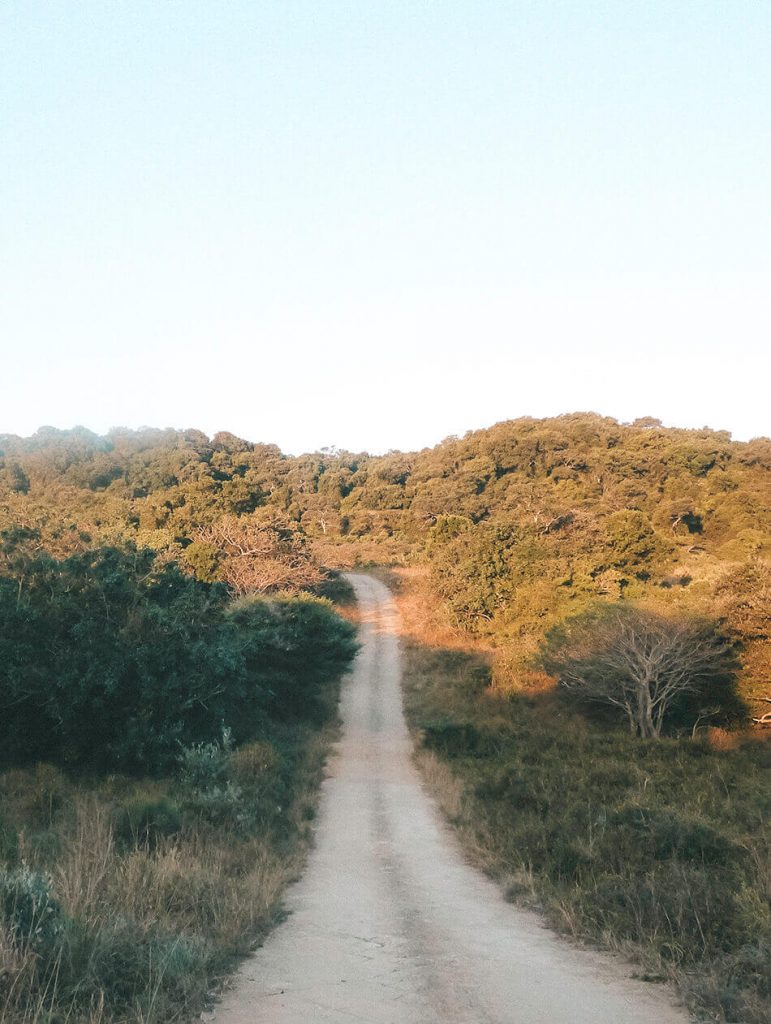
[(203, 766), (31, 915), (142, 823), (210, 793)]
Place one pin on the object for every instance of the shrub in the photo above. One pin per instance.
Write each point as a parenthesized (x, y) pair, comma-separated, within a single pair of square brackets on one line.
[(209, 794), (254, 763), (458, 738), (29, 912), (293, 649), (204, 765), (109, 661), (143, 823), (660, 834)]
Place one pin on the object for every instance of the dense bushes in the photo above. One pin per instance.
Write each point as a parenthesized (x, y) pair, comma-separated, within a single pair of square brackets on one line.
[(289, 646), (28, 910), (109, 661)]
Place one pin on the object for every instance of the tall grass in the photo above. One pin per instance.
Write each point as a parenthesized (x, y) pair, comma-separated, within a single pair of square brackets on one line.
[(655, 849), (101, 921)]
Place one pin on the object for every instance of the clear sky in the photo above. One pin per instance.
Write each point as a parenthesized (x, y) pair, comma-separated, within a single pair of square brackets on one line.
[(374, 223)]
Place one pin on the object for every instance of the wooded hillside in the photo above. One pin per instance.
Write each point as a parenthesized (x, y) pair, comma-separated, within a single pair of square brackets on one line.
[(522, 523)]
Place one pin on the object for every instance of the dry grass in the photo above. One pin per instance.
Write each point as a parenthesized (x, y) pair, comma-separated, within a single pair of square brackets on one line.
[(656, 850), (444, 787), (146, 931)]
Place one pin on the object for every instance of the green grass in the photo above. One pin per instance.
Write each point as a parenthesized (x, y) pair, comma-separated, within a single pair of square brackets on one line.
[(656, 849)]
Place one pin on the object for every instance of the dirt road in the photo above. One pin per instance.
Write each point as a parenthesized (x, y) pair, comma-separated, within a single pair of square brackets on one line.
[(389, 925)]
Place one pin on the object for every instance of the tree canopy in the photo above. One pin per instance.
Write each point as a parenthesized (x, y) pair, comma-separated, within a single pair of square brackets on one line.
[(520, 524)]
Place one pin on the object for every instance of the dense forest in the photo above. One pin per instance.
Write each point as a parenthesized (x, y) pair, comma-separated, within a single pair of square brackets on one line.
[(522, 524), (169, 657)]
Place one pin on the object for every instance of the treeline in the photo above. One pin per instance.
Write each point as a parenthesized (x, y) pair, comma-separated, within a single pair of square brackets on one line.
[(523, 524)]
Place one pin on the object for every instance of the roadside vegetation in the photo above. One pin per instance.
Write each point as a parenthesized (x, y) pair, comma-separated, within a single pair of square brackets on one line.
[(128, 899), (654, 848), (588, 604), (162, 742)]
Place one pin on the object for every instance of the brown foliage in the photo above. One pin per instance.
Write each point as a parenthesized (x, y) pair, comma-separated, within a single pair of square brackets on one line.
[(258, 557)]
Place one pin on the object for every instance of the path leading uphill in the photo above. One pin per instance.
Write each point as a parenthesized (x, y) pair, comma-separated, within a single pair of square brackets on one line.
[(389, 925)]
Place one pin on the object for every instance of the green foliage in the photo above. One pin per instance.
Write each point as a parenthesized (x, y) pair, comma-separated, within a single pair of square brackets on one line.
[(554, 512), (31, 915), (204, 560), (473, 569), (291, 648), (120, 652), (663, 834), (208, 791), (143, 823), (632, 543), (110, 661), (204, 765)]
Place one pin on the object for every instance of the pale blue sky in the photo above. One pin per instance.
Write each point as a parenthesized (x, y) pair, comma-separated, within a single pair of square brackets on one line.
[(373, 224)]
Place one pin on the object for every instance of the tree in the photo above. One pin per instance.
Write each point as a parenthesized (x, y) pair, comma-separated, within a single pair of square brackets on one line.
[(637, 661), (252, 556)]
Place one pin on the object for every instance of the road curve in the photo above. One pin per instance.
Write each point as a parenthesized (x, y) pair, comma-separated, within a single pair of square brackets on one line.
[(389, 925)]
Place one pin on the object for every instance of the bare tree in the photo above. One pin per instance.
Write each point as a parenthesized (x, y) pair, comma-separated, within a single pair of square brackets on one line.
[(764, 719), (259, 557), (635, 660)]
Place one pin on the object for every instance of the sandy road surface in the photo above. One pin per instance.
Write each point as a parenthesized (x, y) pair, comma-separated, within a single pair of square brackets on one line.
[(389, 925)]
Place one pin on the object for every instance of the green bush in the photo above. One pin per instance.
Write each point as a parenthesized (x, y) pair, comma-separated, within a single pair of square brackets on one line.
[(31, 915), (109, 662), (457, 738), (662, 834), (294, 648), (208, 792), (142, 823), (204, 765)]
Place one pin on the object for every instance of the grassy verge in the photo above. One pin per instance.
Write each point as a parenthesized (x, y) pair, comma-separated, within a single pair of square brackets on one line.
[(129, 900), (658, 850)]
